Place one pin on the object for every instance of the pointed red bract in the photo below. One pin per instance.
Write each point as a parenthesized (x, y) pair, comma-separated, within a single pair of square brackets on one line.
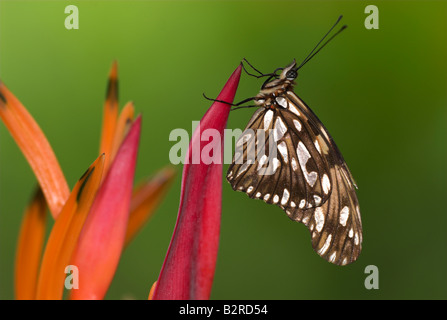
[(102, 239), (188, 269)]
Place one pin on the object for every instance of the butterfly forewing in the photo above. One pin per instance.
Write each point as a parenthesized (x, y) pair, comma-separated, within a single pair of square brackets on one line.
[(274, 163), (323, 137), (286, 157)]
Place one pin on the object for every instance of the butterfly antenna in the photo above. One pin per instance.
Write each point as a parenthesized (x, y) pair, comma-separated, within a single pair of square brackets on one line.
[(313, 52)]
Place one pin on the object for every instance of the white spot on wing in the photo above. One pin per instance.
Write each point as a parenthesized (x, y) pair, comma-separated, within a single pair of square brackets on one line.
[(285, 197), (267, 196), (262, 161), (280, 129), (294, 165), (283, 151), (326, 184), (250, 189), (344, 214), (276, 163), (297, 124), (317, 145), (282, 102), (303, 157), (275, 198), (293, 109), (326, 245), (268, 119), (319, 218), (332, 257), (305, 220)]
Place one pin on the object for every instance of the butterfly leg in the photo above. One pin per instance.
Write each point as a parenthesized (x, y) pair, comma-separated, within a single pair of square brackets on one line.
[(234, 104), (261, 75)]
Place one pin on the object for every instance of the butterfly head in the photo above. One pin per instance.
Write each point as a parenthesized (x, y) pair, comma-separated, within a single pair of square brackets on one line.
[(290, 72), (278, 83)]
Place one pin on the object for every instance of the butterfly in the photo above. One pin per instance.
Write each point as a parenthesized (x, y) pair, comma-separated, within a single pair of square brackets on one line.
[(285, 156)]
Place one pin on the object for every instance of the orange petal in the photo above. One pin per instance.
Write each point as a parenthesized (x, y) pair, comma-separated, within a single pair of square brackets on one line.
[(29, 249), (36, 149), (110, 115), (146, 198), (65, 233), (122, 127)]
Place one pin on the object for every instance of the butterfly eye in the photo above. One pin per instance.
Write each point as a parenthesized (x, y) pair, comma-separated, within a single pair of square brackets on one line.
[(291, 74)]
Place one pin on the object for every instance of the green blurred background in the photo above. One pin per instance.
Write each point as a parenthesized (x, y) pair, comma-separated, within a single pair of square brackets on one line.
[(381, 93)]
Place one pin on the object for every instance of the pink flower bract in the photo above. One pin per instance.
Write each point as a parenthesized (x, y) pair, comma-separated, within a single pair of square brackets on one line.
[(102, 238)]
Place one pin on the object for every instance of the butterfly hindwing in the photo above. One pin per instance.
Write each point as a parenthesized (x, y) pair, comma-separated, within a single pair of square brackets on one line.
[(335, 226)]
